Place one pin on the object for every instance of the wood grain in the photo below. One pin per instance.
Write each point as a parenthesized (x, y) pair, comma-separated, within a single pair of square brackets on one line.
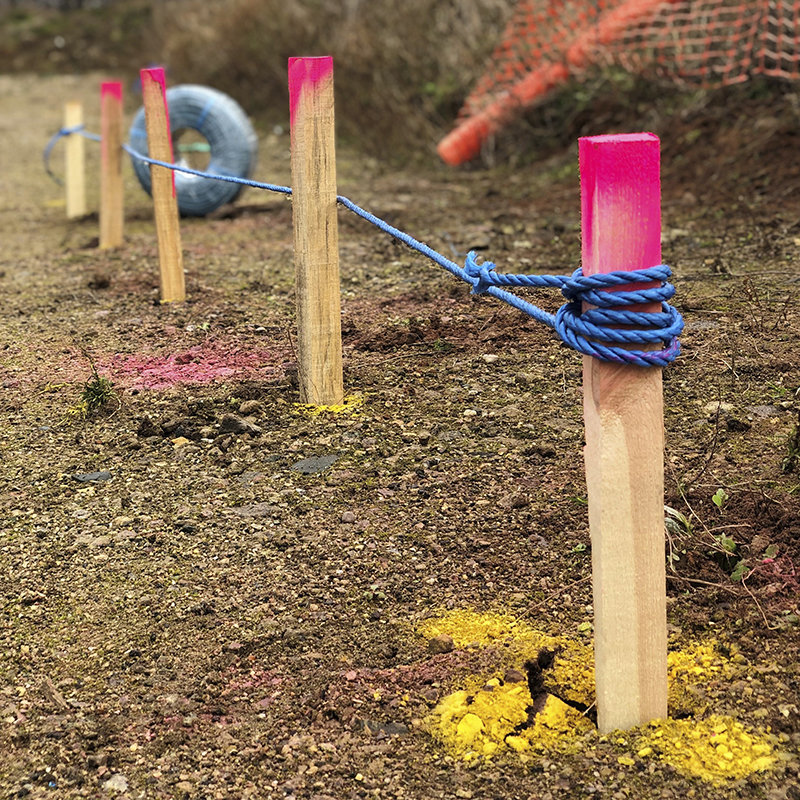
[(165, 204), (316, 238), (75, 169), (623, 414), (111, 194)]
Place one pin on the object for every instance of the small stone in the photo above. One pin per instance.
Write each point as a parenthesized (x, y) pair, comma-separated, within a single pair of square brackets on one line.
[(513, 676), (443, 643), (100, 541), (249, 407), (490, 358), (315, 464), (716, 406), (430, 694), (116, 783), (180, 441), (230, 423), (255, 510), (92, 477), (348, 517), (516, 500), (184, 786)]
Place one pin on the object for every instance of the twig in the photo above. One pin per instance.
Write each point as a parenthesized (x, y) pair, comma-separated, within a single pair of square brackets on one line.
[(758, 606), (560, 591), (703, 583)]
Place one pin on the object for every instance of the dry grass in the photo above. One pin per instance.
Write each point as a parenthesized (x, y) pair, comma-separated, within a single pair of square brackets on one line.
[(402, 69)]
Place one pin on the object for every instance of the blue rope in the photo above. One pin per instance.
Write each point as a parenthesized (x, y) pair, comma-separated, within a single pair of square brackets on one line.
[(270, 187), (80, 130), (594, 332)]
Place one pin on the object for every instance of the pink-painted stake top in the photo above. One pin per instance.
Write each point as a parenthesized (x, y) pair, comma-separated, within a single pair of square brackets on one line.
[(156, 75), (112, 88), (623, 231), (305, 75)]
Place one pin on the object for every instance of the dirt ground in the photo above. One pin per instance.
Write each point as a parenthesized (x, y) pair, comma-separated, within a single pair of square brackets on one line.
[(211, 591)]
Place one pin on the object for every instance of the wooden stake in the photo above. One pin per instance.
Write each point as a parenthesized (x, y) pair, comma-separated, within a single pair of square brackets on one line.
[(75, 173), (111, 209), (623, 413), (159, 143), (316, 238)]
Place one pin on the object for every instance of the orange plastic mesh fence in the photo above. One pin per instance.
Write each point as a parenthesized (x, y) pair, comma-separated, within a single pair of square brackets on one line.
[(697, 42)]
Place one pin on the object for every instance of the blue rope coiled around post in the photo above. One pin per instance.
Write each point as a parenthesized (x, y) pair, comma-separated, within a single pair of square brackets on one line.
[(595, 332)]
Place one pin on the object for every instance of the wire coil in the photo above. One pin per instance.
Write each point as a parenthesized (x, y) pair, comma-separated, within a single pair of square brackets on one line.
[(232, 143)]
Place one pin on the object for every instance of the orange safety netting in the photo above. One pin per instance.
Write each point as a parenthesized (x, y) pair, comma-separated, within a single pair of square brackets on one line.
[(697, 42)]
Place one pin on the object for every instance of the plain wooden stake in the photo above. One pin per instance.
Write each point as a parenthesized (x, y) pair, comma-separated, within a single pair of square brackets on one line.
[(111, 195), (159, 143), (316, 238), (75, 171), (623, 413)]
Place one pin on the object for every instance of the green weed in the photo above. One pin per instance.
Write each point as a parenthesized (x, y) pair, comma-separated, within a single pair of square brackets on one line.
[(97, 392)]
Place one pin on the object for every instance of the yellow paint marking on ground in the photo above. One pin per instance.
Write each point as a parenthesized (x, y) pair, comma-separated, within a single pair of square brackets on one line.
[(350, 405), (491, 717), (714, 749)]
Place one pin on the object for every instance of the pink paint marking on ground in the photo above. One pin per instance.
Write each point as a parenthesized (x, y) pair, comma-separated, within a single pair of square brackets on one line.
[(305, 74), (201, 364)]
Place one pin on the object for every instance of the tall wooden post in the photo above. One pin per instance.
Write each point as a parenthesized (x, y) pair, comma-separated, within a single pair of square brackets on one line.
[(623, 413), (75, 170), (316, 238), (111, 196), (159, 144)]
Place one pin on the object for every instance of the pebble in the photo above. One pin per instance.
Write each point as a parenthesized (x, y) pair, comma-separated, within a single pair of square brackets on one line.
[(490, 358), (116, 783), (714, 406), (92, 477), (230, 423), (249, 407), (315, 464), (443, 643), (516, 500), (430, 694), (513, 676), (348, 517)]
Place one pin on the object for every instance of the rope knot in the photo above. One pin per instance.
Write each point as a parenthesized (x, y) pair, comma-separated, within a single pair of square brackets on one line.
[(481, 274)]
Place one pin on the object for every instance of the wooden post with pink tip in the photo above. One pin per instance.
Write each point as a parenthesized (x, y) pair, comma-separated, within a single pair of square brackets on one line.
[(159, 144), (74, 166), (316, 238), (111, 196), (623, 414)]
